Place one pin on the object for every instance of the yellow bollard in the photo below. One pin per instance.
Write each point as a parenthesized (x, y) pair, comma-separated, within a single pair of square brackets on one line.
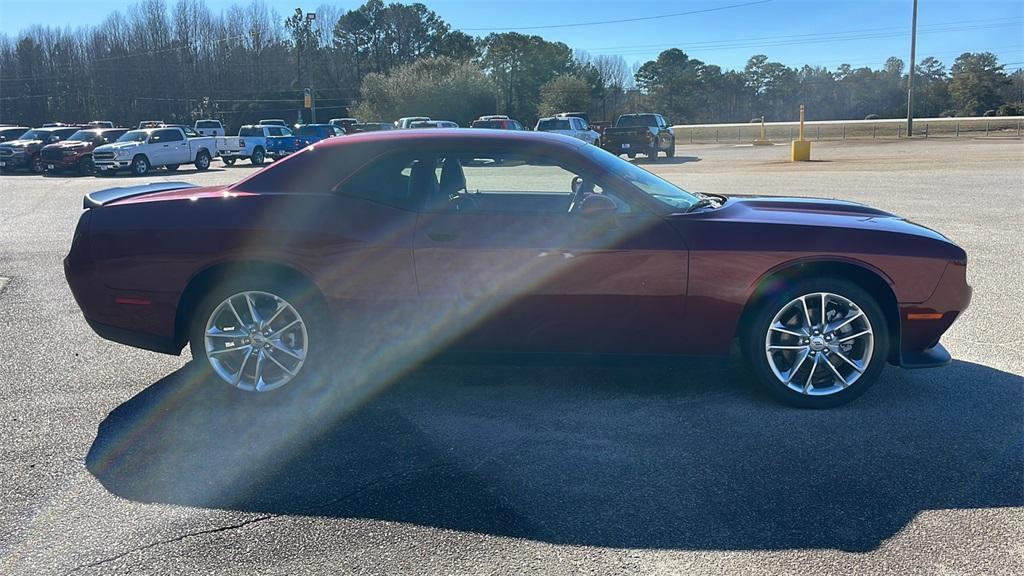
[(763, 140), (800, 150)]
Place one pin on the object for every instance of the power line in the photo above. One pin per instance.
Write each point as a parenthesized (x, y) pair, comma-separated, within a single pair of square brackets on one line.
[(618, 21)]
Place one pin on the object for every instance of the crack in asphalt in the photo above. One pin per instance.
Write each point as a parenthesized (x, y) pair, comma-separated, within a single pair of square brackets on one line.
[(243, 524)]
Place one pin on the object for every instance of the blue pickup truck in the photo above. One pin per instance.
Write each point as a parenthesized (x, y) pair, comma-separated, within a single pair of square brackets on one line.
[(259, 142), (313, 133)]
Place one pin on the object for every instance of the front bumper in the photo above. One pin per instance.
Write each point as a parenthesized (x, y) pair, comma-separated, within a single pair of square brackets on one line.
[(15, 161), (923, 324), (111, 165)]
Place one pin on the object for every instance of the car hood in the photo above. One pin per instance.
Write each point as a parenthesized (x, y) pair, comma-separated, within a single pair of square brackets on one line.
[(818, 212), (21, 143), (118, 146), (68, 144)]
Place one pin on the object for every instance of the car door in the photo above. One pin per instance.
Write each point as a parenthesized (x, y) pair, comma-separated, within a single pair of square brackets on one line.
[(508, 267)]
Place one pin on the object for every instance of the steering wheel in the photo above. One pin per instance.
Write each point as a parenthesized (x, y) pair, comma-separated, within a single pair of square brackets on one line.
[(464, 202)]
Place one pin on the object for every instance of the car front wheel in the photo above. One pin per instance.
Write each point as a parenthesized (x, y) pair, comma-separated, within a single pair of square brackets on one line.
[(818, 345), (140, 166), (256, 336)]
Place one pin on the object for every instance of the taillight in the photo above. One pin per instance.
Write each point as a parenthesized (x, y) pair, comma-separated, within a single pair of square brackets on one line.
[(241, 143)]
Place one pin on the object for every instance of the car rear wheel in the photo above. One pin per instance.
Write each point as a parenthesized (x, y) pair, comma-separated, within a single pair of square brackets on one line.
[(37, 165), (140, 165), (228, 161), (820, 344), (203, 161), (257, 335), (258, 157)]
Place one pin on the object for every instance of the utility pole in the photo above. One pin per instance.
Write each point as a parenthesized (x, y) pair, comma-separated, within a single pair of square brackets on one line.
[(910, 75)]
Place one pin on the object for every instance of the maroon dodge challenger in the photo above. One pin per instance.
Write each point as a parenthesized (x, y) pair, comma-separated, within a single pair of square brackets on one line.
[(389, 247)]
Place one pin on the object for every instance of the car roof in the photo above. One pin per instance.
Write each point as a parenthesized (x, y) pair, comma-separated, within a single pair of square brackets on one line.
[(454, 134)]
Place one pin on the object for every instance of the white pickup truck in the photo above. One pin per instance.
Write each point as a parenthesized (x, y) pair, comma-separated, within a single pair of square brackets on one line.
[(142, 150)]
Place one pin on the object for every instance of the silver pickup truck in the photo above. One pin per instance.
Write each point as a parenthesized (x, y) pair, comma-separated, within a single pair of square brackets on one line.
[(142, 150)]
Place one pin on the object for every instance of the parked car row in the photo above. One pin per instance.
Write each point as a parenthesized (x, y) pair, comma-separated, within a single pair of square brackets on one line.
[(99, 147)]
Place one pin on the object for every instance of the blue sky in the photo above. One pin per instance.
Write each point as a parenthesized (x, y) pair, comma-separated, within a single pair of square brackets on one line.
[(822, 32)]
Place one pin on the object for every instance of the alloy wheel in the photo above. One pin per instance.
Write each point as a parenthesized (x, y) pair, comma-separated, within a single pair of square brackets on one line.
[(819, 344), (256, 341)]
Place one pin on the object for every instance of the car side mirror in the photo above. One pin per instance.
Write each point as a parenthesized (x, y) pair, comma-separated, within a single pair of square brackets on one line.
[(598, 207)]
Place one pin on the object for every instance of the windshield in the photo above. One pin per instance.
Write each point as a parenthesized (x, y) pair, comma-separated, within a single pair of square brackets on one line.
[(639, 120), (672, 196), (36, 135), (134, 136), (553, 124), (83, 136)]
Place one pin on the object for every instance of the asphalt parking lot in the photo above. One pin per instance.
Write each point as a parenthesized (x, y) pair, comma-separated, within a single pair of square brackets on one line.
[(115, 460)]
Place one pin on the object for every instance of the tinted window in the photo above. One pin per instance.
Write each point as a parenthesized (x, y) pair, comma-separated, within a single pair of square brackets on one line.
[(251, 131), (553, 124), (387, 180), (167, 136), (638, 120), (208, 124), (309, 131)]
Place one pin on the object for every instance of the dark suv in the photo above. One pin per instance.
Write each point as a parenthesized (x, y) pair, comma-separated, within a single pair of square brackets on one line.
[(23, 153), (75, 152)]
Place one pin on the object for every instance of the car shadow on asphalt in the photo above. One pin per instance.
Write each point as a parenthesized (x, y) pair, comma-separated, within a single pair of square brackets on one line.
[(669, 455)]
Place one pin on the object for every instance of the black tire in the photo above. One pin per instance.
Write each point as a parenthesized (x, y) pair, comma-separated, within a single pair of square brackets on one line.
[(671, 152), (37, 166), (652, 154), (140, 165), (203, 161), (631, 155), (258, 156), (85, 167), (753, 341), (172, 167), (228, 161), (300, 295)]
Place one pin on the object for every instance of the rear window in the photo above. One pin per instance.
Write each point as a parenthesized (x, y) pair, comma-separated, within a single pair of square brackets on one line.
[(251, 131), (309, 131), (553, 124), (208, 124), (640, 120), (493, 124)]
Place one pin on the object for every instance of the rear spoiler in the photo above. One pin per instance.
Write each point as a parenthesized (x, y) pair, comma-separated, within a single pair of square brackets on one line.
[(104, 197)]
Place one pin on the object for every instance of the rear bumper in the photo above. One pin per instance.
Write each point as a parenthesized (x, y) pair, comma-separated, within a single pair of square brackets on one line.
[(136, 339)]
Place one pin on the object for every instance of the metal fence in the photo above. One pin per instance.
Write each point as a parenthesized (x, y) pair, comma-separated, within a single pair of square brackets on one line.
[(994, 126)]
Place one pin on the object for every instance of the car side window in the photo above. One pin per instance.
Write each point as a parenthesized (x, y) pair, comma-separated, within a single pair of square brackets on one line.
[(507, 182), (166, 136), (395, 180)]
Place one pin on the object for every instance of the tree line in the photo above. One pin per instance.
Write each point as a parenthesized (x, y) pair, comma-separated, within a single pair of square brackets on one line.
[(178, 61)]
